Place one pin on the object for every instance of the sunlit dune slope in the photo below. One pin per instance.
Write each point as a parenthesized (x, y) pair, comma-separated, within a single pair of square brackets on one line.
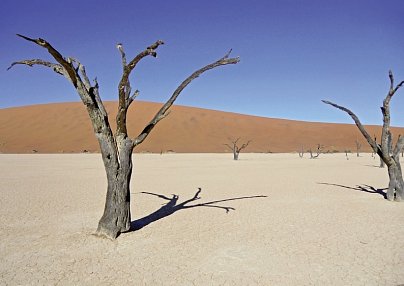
[(65, 127)]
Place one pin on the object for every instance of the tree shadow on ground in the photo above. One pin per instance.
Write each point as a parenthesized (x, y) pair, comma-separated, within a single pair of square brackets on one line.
[(172, 206), (373, 166), (361, 188)]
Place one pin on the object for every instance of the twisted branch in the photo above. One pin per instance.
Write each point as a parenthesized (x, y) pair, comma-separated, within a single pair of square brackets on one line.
[(56, 67), (372, 142), (56, 55), (162, 113), (124, 88)]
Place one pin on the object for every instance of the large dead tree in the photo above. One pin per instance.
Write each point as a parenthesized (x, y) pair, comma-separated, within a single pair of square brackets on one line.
[(116, 148), (235, 148), (385, 150)]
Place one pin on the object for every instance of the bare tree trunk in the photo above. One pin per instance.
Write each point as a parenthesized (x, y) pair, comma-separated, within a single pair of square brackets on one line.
[(235, 155), (116, 218), (116, 149), (396, 183)]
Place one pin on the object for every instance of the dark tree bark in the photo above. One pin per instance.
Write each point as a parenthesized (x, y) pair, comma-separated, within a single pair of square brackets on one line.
[(389, 155), (116, 149), (235, 148)]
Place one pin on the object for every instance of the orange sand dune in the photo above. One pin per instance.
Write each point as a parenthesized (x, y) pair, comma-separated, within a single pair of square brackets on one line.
[(65, 127)]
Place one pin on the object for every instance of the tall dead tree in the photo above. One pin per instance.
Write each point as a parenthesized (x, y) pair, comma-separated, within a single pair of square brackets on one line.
[(385, 150), (235, 148), (116, 148)]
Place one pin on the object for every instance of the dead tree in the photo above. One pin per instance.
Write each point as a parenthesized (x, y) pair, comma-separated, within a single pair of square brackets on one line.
[(381, 162), (381, 165), (358, 147), (235, 148), (116, 148), (385, 150), (319, 151), (301, 152)]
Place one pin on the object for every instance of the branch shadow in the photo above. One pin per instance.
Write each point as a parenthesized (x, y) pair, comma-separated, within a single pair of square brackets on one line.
[(374, 166), (361, 188), (172, 206)]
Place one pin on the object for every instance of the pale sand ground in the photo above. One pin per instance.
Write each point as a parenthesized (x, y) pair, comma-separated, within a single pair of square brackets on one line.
[(307, 231)]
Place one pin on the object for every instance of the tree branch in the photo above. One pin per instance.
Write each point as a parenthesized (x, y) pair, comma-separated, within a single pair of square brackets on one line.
[(392, 88), (124, 89), (146, 131), (372, 143), (82, 70), (123, 55), (399, 146), (244, 145), (234, 142), (386, 134), (88, 94), (132, 98), (94, 94), (56, 67), (57, 56), (398, 86), (391, 77), (230, 147)]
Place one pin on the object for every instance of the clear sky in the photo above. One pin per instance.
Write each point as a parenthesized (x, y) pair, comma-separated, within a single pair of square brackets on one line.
[(293, 53)]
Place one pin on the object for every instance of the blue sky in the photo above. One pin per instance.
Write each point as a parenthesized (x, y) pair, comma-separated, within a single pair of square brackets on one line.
[(293, 53)]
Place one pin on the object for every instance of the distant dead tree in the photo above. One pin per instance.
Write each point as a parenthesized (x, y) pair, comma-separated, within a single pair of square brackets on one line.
[(358, 147), (319, 151), (116, 148), (346, 153), (236, 148), (381, 162), (385, 150), (380, 158), (301, 152)]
